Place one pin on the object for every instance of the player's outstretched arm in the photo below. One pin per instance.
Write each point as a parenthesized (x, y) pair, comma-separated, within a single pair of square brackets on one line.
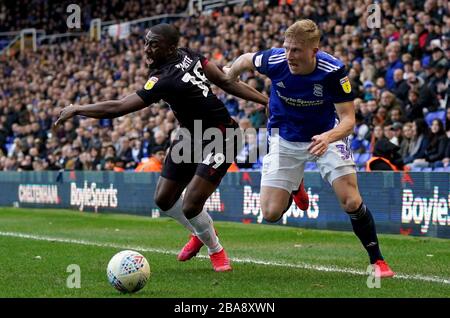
[(243, 63), (108, 109), (239, 89)]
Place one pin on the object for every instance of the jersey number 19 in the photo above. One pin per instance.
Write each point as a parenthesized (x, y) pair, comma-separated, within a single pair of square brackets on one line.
[(198, 79)]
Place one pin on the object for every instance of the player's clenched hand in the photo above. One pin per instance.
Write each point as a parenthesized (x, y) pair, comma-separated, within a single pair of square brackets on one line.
[(67, 113), (319, 145)]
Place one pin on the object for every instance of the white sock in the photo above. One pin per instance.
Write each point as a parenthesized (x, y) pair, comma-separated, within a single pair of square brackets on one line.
[(204, 229), (176, 212)]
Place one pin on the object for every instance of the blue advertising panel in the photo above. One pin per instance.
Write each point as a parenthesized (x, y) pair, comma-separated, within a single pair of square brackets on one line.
[(401, 203)]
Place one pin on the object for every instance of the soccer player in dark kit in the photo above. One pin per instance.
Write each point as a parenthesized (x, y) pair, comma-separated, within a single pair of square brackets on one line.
[(181, 78)]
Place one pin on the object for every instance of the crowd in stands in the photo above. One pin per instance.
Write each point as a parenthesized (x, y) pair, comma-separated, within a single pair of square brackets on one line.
[(399, 73), (51, 15)]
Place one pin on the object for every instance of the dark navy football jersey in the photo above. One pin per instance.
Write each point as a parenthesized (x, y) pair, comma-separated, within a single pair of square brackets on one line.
[(302, 106), (181, 83)]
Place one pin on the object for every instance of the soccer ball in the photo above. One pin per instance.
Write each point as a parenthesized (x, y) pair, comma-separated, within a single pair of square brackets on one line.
[(128, 271)]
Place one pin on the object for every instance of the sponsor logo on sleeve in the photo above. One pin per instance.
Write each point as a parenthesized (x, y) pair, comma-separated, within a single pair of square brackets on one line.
[(258, 60), (150, 83), (345, 83)]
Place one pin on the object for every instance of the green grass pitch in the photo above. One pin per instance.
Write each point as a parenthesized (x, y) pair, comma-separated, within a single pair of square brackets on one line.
[(37, 246)]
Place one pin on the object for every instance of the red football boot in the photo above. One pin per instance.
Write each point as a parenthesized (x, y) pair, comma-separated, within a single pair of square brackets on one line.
[(382, 269), (190, 249), (220, 261), (301, 198)]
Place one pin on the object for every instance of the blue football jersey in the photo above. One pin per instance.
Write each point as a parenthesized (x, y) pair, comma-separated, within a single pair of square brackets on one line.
[(302, 106)]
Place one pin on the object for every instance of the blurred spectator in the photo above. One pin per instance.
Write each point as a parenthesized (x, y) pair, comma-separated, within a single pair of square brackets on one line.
[(376, 136), (446, 160), (397, 134), (160, 140), (406, 140), (386, 156), (438, 143), (396, 115), (154, 163), (413, 107), (360, 142), (394, 64), (426, 98), (113, 164), (419, 144)]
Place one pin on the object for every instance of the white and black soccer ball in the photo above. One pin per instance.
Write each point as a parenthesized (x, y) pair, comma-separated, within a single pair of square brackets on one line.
[(128, 271)]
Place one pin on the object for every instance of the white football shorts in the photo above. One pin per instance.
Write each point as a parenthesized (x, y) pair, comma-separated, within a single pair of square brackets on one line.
[(283, 167)]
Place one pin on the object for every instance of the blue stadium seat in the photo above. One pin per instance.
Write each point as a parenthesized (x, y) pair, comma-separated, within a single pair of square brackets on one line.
[(435, 115), (8, 147), (363, 159), (427, 169), (439, 169)]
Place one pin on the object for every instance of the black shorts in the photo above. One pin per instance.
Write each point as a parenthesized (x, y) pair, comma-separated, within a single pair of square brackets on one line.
[(209, 162)]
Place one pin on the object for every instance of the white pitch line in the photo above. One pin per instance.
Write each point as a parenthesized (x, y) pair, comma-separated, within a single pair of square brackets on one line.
[(320, 268)]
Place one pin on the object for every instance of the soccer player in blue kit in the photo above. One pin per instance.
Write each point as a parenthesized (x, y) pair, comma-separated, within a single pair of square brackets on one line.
[(311, 115)]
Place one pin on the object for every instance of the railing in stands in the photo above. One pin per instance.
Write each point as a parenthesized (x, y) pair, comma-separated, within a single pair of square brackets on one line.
[(14, 38), (206, 5), (41, 37)]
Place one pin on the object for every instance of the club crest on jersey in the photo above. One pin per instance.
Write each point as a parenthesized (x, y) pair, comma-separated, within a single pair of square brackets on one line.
[(318, 90), (150, 83), (345, 83)]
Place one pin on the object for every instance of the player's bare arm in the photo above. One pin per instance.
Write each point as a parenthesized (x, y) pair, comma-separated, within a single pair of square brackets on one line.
[(107, 109), (239, 89), (243, 63), (346, 114)]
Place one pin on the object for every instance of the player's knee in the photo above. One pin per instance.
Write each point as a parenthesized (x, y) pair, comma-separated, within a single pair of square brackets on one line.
[(271, 210), (191, 209), (272, 214), (350, 204), (163, 202)]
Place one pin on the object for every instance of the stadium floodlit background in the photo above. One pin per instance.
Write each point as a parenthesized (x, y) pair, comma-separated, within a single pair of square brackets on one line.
[(53, 53)]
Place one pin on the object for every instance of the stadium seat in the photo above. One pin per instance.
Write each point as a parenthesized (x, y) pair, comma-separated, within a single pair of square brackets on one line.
[(435, 115), (8, 147), (362, 159)]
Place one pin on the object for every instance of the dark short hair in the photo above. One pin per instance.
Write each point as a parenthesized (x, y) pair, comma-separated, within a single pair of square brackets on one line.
[(155, 149), (168, 31), (111, 159)]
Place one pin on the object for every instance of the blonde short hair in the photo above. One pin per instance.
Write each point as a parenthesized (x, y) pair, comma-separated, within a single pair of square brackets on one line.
[(305, 31)]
